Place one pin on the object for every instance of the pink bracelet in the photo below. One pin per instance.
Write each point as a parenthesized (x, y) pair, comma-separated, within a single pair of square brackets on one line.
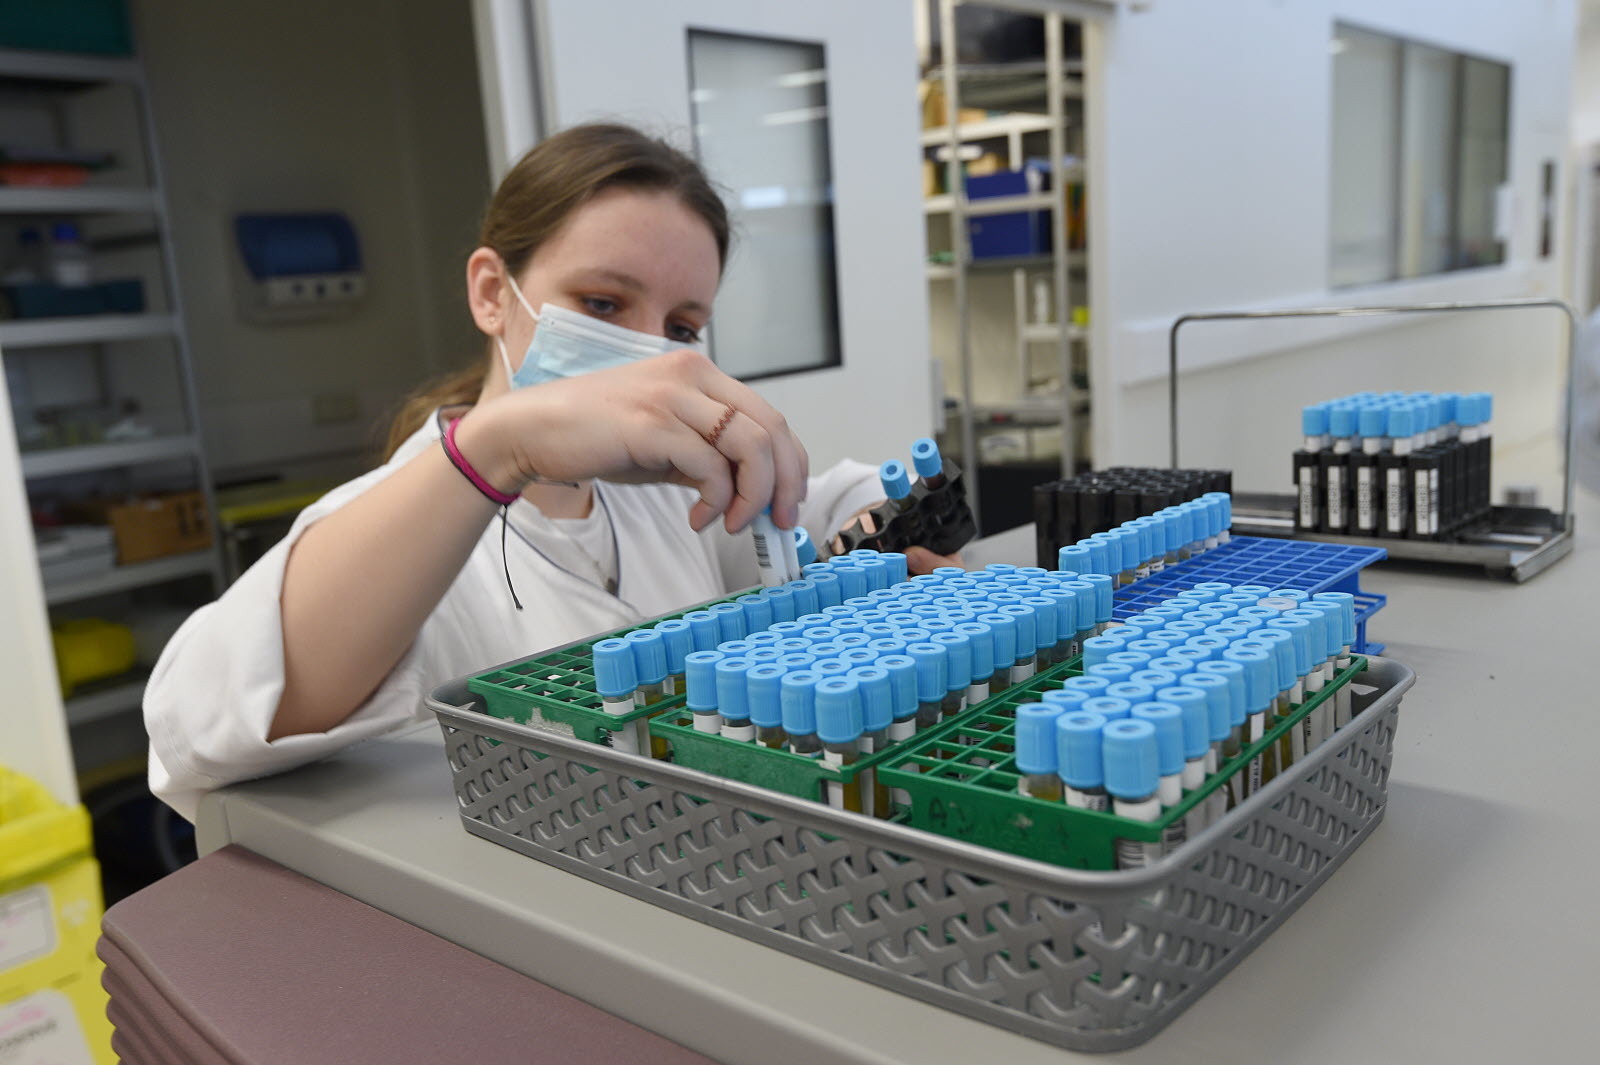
[(459, 461)]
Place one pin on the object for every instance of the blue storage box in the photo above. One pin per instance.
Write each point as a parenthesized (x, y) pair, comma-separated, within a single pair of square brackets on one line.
[(1017, 232)]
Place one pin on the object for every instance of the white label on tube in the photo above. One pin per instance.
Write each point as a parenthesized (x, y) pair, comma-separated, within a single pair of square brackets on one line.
[(1392, 502), (1308, 492), (1433, 515), (1364, 506), (1423, 502), (1336, 497)]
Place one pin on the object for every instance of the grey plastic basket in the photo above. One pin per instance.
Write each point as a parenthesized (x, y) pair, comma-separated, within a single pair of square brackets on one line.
[(1085, 960)]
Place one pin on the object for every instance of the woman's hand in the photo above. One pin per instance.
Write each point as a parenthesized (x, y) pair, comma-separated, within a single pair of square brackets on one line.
[(650, 421)]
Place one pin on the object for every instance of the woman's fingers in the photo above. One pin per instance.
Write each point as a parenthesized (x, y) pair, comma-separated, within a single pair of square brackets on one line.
[(744, 443), (790, 463)]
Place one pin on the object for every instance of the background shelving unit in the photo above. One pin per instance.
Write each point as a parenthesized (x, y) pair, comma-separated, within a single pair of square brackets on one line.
[(1027, 378), (93, 369)]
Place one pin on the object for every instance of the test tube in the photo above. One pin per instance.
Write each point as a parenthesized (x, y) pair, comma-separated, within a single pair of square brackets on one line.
[(730, 621), (1259, 690), (1224, 745), (1075, 558), (1113, 672), (1281, 645), (1104, 605), (805, 551), (1086, 605), (932, 681), (958, 670), (733, 698), (806, 600), (1003, 631), (1131, 690), (616, 679), (1036, 755), (1079, 760), (679, 641), (704, 630), (1090, 686), (902, 670), (1306, 679), (852, 580), (839, 724), (700, 677), (928, 463), (1044, 628), (1347, 609), (1133, 779), (980, 638), (1109, 707), (830, 592), (896, 561), (1168, 722), (1156, 678), (877, 713), (1224, 503), (1191, 702), (769, 540), (764, 689), (781, 603), (1023, 665), (896, 485), (650, 664), (757, 612), (1319, 723), (797, 694)]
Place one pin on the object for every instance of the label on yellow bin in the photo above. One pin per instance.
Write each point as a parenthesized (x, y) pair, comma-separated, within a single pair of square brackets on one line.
[(42, 1029)]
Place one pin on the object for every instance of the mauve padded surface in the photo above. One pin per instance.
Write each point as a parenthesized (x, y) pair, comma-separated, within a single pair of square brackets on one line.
[(235, 959)]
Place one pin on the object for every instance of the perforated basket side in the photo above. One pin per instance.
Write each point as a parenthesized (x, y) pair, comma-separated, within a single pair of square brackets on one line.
[(1088, 961)]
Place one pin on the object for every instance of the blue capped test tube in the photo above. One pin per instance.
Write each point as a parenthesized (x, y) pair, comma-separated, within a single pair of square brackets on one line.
[(902, 670), (764, 689), (679, 641), (700, 683), (1168, 722), (733, 698), (933, 665), (1079, 760), (840, 719), (1259, 692), (797, 697), (650, 665), (1036, 751), (927, 461), (877, 714), (1133, 778), (616, 679)]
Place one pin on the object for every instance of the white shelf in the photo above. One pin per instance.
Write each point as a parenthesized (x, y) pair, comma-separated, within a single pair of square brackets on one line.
[(16, 199), (107, 700), (1043, 332), (63, 460), (1037, 201), (1001, 126), (86, 329), (66, 66), (136, 575)]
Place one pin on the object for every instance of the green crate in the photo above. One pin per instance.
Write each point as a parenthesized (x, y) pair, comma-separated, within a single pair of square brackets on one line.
[(963, 784), (796, 774), (555, 689)]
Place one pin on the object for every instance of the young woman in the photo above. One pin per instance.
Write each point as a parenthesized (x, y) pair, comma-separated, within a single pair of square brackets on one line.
[(616, 445)]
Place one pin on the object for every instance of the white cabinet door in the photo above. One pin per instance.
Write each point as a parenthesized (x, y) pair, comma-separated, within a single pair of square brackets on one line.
[(806, 114)]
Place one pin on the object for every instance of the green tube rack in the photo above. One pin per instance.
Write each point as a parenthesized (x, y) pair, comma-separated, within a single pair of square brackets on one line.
[(962, 780)]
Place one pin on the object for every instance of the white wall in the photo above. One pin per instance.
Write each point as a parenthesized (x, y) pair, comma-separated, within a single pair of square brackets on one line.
[(1209, 188), (365, 107), (33, 730)]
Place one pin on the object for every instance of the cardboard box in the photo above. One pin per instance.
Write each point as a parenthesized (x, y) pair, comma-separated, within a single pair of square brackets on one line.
[(159, 526)]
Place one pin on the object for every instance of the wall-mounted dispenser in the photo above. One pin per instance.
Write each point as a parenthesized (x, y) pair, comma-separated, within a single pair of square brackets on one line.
[(297, 267)]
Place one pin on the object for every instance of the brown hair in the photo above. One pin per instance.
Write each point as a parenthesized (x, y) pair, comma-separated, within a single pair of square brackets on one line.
[(533, 202)]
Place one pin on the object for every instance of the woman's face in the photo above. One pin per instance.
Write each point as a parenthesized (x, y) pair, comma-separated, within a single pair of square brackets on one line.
[(640, 259)]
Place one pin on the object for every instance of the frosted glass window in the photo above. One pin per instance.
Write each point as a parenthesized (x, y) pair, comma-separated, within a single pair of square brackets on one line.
[(760, 109), (1419, 142)]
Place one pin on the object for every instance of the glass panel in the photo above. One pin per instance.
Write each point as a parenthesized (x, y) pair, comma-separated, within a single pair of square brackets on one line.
[(1427, 160), (1481, 160), (1366, 136), (760, 109)]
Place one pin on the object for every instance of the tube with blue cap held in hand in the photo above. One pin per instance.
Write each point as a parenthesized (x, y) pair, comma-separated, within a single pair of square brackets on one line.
[(1036, 751), (1132, 756), (839, 724), (777, 559), (616, 679)]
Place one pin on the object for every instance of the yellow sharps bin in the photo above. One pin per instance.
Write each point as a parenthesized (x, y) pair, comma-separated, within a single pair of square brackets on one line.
[(52, 1007)]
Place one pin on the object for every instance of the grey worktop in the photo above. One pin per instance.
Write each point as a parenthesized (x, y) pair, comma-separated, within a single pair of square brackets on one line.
[(1465, 929)]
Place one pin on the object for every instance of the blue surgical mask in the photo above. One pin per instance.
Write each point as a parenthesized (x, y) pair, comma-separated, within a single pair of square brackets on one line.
[(567, 343)]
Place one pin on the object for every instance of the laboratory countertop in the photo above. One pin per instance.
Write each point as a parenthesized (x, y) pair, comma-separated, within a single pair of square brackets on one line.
[(1463, 930)]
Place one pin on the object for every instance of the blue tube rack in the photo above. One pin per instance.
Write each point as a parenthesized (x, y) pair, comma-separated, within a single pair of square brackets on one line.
[(1303, 564)]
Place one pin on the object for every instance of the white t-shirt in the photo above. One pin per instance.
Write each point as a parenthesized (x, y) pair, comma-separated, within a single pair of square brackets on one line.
[(213, 694)]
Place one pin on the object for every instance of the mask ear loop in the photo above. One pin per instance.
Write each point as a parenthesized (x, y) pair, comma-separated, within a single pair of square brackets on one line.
[(499, 341)]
